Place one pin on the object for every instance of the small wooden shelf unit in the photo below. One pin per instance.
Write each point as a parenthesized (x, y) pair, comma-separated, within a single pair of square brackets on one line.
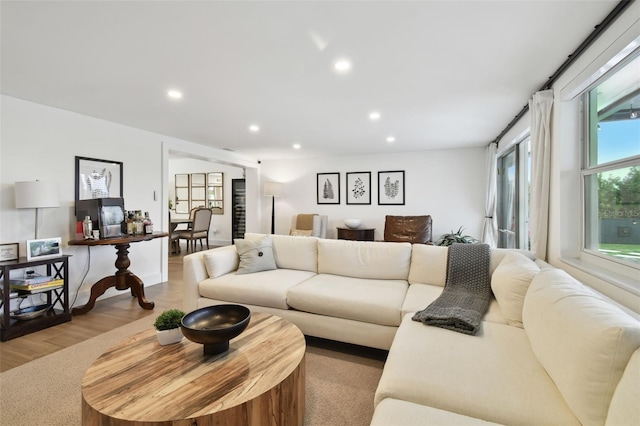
[(58, 297)]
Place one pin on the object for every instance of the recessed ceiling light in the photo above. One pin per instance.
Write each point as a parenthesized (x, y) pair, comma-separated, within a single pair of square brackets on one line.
[(254, 128), (296, 146), (391, 139), (342, 66), (374, 116), (174, 94)]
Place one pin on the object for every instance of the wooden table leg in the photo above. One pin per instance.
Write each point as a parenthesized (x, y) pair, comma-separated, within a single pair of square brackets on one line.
[(122, 280)]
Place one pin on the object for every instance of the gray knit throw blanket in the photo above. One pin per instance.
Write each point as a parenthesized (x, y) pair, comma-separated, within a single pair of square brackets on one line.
[(467, 291)]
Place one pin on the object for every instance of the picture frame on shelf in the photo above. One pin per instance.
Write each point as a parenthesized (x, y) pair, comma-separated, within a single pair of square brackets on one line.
[(391, 188), (328, 188), (9, 252), (359, 188), (97, 178), (45, 248)]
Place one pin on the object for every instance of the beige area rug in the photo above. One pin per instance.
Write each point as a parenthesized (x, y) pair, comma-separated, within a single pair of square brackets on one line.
[(340, 385)]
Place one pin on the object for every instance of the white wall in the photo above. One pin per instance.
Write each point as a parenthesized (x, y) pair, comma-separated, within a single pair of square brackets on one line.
[(220, 229), (40, 143), (447, 184)]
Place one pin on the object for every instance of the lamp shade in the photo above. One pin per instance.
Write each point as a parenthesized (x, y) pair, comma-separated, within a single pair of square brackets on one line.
[(36, 194), (274, 189)]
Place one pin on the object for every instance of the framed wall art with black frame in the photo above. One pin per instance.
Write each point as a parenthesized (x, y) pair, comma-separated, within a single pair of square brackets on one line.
[(8, 252), (359, 188), (98, 178), (391, 188), (328, 188)]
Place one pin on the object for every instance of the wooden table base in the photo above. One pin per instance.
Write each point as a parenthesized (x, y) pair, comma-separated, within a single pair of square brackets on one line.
[(259, 381), (123, 279)]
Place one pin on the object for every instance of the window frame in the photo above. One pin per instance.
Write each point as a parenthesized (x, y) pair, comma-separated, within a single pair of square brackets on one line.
[(521, 147), (587, 115)]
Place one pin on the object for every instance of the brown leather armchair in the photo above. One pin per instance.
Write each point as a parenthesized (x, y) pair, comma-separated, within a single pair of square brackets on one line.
[(409, 229)]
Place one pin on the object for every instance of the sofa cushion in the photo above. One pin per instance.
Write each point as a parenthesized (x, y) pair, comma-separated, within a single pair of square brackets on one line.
[(392, 411), (360, 299), (419, 296), (497, 254), (492, 376), (364, 259), (428, 265), (509, 283), (255, 256), (292, 252), (583, 341), (266, 288), (624, 408), (220, 261)]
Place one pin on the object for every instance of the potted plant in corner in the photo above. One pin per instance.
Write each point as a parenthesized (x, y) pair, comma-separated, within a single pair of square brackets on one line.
[(455, 237), (167, 326)]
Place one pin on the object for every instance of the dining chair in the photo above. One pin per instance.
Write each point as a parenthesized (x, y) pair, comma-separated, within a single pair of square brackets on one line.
[(199, 230)]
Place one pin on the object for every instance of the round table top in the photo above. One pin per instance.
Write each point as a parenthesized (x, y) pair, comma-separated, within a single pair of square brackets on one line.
[(140, 380)]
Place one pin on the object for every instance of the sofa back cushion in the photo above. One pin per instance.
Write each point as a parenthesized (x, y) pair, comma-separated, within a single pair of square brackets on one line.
[(497, 254), (509, 283), (583, 341), (428, 265), (364, 259), (220, 261), (292, 252), (625, 406)]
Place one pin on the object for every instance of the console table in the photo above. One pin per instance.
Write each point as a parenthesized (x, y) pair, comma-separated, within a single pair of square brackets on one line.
[(359, 234), (123, 279)]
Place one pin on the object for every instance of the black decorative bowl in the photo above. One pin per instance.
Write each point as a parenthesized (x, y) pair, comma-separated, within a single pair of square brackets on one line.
[(214, 326)]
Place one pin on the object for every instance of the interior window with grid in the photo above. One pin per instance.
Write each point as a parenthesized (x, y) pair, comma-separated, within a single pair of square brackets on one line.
[(611, 166)]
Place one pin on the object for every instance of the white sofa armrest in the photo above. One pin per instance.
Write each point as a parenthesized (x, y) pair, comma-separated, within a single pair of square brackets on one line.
[(193, 272)]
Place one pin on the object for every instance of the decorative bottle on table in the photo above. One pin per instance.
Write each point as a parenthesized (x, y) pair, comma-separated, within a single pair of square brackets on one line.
[(87, 228), (148, 224)]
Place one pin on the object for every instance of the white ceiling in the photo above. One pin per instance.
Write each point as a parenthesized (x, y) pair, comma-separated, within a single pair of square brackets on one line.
[(443, 74)]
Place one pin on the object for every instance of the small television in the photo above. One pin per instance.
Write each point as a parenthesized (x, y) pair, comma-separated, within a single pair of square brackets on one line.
[(107, 215)]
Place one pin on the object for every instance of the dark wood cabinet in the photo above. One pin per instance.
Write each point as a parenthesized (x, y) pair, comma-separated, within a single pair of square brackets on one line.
[(57, 297), (359, 234)]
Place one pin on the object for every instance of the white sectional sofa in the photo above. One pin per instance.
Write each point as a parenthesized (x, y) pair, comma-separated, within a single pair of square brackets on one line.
[(549, 350)]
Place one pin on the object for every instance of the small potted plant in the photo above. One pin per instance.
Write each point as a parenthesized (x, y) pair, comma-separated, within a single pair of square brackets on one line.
[(455, 237), (167, 326)]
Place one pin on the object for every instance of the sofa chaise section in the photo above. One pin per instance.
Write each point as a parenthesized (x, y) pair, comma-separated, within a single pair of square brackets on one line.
[(563, 367)]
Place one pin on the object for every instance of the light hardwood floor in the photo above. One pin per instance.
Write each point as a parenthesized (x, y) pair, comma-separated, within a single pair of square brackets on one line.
[(107, 315)]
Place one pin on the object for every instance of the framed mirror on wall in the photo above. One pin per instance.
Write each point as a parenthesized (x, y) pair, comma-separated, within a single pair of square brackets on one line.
[(182, 194), (215, 192), (199, 190)]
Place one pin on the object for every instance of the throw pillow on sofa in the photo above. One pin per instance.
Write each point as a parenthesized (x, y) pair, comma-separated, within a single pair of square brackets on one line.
[(510, 282), (220, 261), (255, 255)]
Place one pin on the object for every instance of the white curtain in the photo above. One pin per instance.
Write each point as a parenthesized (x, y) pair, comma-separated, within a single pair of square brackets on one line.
[(490, 226), (540, 112)]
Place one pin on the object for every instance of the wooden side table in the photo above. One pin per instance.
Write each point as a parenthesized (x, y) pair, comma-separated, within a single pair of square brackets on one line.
[(359, 234), (123, 279)]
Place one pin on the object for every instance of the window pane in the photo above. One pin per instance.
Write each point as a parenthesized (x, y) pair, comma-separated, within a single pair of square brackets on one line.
[(614, 116), (613, 212), (616, 140), (507, 196)]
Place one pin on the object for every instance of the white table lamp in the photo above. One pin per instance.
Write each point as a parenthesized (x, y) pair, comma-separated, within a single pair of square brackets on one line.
[(36, 195)]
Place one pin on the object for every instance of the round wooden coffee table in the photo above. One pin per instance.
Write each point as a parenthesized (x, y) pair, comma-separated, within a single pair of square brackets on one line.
[(260, 380)]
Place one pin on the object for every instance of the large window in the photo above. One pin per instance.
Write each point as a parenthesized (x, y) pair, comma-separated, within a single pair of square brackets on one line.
[(611, 166), (513, 196)]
